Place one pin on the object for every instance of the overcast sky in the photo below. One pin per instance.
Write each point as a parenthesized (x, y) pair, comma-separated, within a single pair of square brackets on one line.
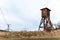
[(26, 14)]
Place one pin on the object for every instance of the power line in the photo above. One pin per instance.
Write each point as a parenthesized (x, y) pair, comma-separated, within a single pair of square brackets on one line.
[(3, 16), (8, 25)]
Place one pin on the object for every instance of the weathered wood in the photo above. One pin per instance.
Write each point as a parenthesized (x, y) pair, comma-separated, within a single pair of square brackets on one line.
[(45, 19)]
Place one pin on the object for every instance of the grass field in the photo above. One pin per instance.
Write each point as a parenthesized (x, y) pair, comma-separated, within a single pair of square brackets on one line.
[(30, 35), (29, 38)]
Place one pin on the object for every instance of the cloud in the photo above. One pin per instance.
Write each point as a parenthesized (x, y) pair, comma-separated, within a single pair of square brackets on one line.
[(20, 13)]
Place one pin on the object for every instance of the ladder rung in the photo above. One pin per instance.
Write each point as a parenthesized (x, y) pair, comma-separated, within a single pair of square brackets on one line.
[(41, 26)]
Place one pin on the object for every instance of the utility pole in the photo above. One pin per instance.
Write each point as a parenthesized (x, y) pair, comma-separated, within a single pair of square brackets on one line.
[(8, 25), (8, 28)]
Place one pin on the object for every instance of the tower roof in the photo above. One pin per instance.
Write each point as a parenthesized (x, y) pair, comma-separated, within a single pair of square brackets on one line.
[(46, 8)]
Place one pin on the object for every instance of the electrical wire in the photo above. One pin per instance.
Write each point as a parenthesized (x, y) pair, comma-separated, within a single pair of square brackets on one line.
[(3, 16)]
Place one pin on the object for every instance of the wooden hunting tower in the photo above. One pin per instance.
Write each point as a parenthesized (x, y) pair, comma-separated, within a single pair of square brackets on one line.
[(45, 19)]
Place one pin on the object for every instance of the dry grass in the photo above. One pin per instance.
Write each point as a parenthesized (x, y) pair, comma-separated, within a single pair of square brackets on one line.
[(30, 39), (30, 35)]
